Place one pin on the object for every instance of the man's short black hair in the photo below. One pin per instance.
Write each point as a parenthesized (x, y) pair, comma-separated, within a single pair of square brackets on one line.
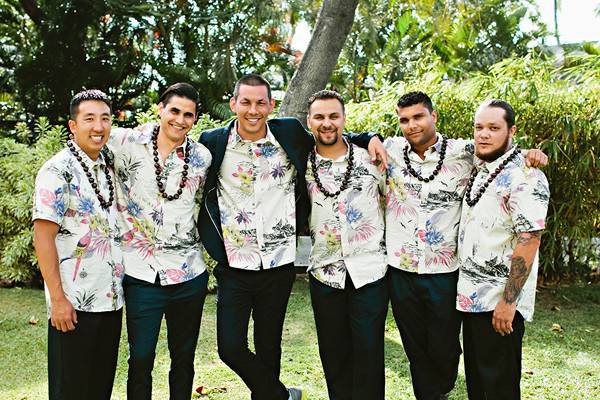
[(509, 113), (413, 98), (86, 95), (252, 80), (326, 95), (180, 89)]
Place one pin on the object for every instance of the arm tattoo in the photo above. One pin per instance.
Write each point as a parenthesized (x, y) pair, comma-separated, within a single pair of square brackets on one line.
[(519, 271), (526, 237), (527, 243)]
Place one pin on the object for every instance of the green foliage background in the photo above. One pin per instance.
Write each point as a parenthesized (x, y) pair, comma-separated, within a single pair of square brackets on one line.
[(557, 111)]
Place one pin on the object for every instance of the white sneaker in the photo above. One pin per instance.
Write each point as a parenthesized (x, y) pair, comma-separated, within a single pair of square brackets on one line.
[(296, 394)]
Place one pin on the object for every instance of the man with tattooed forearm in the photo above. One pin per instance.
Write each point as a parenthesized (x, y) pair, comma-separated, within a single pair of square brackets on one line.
[(502, 220)]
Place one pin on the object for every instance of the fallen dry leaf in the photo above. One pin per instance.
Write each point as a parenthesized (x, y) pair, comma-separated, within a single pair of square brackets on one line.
[(33, 320), (205, 390)]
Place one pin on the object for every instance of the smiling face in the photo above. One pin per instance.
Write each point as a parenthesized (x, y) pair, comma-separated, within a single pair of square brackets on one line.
[(91, 126), (177, 117), (418, 125), (492, 134), (326, 121), (252, 108)]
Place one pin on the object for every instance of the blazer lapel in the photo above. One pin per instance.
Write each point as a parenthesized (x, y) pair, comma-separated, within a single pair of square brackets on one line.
[(287, 142), (222, 145)]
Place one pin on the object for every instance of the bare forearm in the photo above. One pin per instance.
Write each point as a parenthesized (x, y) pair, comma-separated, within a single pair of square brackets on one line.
[(520, 268), (45, 250)]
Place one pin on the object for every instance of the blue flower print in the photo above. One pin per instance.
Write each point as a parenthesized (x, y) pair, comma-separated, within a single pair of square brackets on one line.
[(433, 237), (86, 206), (503, 180), (268, 150), (134, 208), (59, 207), (196, 160), (390, 169), (353, 215), (476, 306)]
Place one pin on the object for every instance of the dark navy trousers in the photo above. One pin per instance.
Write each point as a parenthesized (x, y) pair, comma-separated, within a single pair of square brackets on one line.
[(263, 294), (82, 362), (146, 303), (492, 361), (424, 307), (350, 328)]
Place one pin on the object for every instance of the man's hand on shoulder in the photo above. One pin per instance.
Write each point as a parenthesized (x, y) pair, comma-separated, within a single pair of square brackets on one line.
[(536, 158), (378, 152)]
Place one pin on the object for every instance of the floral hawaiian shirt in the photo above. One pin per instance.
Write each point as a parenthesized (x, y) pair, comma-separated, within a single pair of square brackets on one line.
[(90, 261), (422, 217), (256, 196), (159, 236), (515, 202), (347, 231)]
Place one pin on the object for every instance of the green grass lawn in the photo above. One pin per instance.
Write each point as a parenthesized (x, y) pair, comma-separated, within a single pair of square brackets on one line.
[(556, 364)]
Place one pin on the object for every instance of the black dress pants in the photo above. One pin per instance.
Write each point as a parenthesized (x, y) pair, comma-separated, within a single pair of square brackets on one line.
[(424, 307), (146, 303), (492, 361), (263, 294), (350, 328), (82, 362)]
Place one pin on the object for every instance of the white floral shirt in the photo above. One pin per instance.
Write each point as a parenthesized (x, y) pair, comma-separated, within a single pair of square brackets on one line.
[(347, 231), (158, 236), (515, 202), (422, 217), (90, 261), (256, 196)]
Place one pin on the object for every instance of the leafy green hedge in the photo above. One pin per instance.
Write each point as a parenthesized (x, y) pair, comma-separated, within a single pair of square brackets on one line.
[(556, 112)]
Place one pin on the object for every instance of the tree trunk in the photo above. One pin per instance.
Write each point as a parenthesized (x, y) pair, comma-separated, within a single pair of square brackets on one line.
[(331, 29), (556, 9)]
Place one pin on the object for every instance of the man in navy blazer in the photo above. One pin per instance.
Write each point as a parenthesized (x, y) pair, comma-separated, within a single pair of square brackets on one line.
[(255, 203)]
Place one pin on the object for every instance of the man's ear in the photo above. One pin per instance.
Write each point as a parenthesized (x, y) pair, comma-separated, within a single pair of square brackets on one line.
[(72, 125), (271, 105)]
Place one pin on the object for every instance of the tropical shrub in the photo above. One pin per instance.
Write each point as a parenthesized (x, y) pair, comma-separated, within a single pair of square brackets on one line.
[(557, 111), (19, 164)]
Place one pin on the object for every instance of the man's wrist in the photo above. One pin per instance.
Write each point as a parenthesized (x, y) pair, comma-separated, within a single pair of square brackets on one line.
[(375, 135), (58, 297)]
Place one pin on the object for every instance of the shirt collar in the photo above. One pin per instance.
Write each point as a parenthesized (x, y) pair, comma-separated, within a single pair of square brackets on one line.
[(86, 159), (437, 146), (235, 138), (146, 136), (492, 165), (341, 158)]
